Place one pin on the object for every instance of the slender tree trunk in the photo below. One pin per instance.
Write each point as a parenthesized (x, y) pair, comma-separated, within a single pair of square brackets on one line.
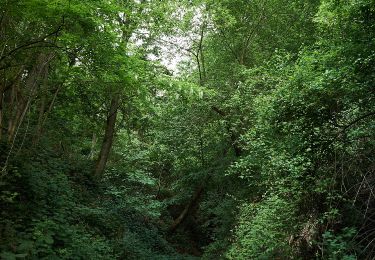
[(40, 119), (1, 112), (204, 75), (199, 69), (31, 85), (201, 54), (20, 115), (50, 106), (42, 108), (200, 58), (12, 108), (16, 110), (19, 105), (93, 143), (108, 136)]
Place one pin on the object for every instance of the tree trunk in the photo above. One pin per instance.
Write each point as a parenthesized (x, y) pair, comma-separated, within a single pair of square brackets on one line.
[(16, 107), (11, 108), (93, 143), (1, 112), (201, 55), (187, 209), (21, 104), (41, 109), (108, 137)]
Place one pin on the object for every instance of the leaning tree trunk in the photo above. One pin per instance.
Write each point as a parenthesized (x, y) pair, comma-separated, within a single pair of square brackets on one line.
[(188, 208), (108, 137), (21, 99)]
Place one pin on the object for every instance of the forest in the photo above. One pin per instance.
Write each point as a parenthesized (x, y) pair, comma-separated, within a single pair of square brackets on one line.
[(187, 129)]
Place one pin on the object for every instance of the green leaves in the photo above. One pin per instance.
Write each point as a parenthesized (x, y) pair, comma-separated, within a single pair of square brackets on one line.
[(273, 125), (263, 230), (339, 246)]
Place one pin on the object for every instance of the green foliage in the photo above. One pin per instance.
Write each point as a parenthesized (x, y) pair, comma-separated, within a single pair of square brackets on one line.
[(48, 228), (262, 144), (65, 220), (339, 246), (263, 230)]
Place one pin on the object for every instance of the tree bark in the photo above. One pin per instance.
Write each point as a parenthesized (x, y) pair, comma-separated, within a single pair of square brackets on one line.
[(41, 108), (14, 112), (1, 112), (21, 104), (93, 143), (200, 57), (108, 136), (176, 223)]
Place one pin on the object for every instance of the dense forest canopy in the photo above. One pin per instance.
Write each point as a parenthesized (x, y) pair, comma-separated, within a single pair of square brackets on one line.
[(200, 129)]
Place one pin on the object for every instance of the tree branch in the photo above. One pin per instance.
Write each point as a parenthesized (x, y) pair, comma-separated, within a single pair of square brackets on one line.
[(28, 44), (372, 113)]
